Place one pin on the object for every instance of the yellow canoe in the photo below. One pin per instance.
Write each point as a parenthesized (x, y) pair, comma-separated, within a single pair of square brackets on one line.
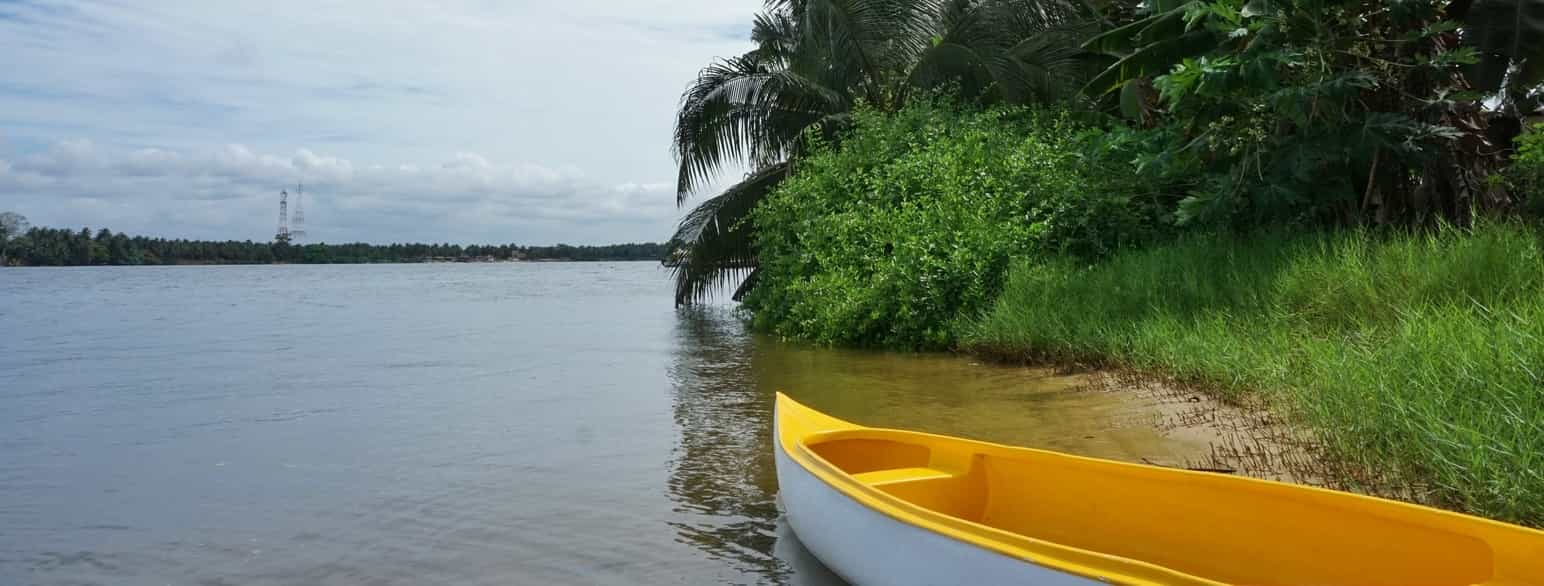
[(882, 506)]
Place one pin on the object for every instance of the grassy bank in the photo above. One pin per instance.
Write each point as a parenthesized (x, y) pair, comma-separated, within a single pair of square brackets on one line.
[(1417, 354)]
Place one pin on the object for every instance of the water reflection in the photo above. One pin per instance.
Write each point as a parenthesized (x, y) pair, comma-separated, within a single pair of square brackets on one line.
[(722, 477)]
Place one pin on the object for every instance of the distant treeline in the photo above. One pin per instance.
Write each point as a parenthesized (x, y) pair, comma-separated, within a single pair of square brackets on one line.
[(57, 247)]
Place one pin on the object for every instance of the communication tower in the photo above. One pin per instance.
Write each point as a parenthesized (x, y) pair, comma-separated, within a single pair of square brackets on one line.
[(284, 233), (298, 223)]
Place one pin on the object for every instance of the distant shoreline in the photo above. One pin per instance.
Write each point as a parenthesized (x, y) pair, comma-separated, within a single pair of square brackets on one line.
[(405, 262), (50, 247)]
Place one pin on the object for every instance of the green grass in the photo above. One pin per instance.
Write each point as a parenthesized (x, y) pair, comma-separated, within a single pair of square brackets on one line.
[(1417, 355)]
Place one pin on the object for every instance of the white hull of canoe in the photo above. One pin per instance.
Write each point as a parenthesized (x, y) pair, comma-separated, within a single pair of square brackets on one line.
[(867, 547)]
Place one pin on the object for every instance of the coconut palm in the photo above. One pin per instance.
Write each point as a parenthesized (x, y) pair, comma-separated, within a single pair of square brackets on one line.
[(813, 62)]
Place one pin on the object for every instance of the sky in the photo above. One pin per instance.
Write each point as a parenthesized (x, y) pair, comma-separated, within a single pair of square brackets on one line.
[(468, 121)]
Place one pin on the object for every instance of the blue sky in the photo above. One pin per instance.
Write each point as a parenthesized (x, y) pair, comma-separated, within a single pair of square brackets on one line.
[(460, 120)]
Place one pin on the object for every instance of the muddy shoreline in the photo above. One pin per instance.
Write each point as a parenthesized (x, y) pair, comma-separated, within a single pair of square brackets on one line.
[(1252, 438)]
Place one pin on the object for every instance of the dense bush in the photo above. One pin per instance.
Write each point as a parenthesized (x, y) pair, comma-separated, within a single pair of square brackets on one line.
[(1327, 112), (1525, 175), (916, 218)]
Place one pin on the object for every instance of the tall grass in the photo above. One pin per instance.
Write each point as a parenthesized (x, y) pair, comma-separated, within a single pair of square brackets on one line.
[(1416, 354)]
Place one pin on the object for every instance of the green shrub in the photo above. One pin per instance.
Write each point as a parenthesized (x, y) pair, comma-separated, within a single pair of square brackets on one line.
[(916, 217), (1526, 173)]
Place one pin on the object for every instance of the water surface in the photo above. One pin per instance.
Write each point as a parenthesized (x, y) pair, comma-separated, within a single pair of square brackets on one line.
[(472, 424)]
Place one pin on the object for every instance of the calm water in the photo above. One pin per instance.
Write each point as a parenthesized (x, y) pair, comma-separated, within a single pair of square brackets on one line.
[(409, 424)]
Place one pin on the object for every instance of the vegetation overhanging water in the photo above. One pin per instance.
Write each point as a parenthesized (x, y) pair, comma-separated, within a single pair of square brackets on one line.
[(1118, 182)]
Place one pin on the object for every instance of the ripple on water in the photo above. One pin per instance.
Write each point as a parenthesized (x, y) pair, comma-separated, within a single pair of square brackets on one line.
[(466, 424)]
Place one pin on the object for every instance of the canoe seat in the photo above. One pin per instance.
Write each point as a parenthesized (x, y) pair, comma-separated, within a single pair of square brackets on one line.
[(897, 475)]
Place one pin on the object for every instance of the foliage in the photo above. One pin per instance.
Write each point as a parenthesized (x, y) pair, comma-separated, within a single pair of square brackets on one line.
[(1413, 353), (917, 216), (814, 61), (1133, 191), (56, 247), (1526, 173), (1312, 111), (12, 224)]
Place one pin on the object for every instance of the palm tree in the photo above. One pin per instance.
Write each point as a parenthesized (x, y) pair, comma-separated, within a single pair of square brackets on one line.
[(814, 61)]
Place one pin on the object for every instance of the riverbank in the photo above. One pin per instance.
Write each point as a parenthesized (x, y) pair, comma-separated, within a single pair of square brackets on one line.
[(897, 223), (1409, 354), (1418, 356)]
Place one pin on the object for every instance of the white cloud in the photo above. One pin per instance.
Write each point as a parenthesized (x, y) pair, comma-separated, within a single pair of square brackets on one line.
[(64, 158), (232, 192), (148, 162), (459, 120)]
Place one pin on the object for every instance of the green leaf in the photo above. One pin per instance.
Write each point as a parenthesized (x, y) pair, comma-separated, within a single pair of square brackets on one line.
[(1154, 59), (1120, 41)]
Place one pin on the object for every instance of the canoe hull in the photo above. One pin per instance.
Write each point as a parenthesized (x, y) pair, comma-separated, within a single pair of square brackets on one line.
[(882, 506), (865, 546)]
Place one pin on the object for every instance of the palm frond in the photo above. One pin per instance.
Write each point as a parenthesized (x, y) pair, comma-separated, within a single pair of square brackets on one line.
[(1047, 67), (962, 42), (739, 110), (715, 243), (1026, 50), (867, 43), (1147, 47), (705, 133), (776, 36)]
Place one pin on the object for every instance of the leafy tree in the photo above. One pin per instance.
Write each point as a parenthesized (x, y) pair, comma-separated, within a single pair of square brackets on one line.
[(1325, 111), (12, 225), (80, 248), (814, 61)]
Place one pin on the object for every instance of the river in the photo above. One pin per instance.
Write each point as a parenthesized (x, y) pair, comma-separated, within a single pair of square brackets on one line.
[(523, 423)]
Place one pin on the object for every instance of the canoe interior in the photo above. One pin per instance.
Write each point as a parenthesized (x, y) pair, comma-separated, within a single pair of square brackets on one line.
[(1210, 527)]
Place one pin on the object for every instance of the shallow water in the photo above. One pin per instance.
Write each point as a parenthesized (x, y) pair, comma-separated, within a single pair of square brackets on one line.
[(470, 424)]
